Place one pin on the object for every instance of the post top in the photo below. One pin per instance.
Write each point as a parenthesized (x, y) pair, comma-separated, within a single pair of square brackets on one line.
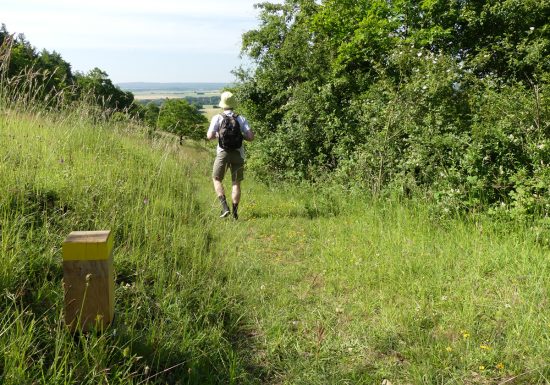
[(88, 237)]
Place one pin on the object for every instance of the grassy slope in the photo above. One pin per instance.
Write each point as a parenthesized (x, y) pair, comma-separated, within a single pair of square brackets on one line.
[(381, 291), (308, 287), (175, 318)]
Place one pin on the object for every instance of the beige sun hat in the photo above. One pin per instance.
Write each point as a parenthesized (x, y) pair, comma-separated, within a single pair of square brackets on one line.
[(228, 100)]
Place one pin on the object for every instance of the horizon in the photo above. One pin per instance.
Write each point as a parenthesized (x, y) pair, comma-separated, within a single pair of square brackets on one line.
[(171, 87), (164, 42)]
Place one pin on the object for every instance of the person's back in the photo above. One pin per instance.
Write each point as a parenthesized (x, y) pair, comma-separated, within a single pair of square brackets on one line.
[(230, 129)]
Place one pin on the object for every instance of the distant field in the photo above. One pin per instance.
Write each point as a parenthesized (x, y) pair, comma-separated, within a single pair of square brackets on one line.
[(210, 111), (146, 86), (164, 94), (157, 91)]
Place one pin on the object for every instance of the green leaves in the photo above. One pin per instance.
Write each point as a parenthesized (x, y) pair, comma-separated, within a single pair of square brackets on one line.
[(97, 86), (181, 118), (446, 97)]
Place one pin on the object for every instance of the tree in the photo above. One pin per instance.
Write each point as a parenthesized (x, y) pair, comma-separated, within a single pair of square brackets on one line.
[(97, 86), (182, 119), (388, 93), (56, 74), (151, 114), (46, 78)]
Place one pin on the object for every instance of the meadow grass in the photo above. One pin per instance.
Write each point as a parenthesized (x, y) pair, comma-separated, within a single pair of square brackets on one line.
[(347, 290), (174, 317), (384, 293), (311, 286)]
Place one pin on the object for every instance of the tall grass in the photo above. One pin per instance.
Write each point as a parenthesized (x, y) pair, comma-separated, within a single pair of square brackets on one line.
[(174, 318), (310, 286), (345, 290)]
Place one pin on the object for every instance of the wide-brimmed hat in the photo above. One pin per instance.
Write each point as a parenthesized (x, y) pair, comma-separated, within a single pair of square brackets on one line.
[(228, 100)]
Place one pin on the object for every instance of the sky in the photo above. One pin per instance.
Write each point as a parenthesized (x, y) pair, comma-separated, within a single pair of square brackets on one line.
[(138, 41)]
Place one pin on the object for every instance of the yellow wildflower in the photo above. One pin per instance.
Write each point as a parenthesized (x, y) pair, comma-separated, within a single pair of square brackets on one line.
[(500, 366), (481, 367), (484, 347)]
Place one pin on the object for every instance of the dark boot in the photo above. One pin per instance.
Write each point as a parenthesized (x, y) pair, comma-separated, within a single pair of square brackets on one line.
[(225, 208), (235, 212)]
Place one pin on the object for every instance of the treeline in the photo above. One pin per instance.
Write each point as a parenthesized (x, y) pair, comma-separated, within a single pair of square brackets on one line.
[(47, 78), (437, 97), (32, 77), (199, 101)]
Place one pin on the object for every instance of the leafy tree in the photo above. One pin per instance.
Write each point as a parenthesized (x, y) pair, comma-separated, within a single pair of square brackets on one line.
[(182, 119), (395, 93), (46, 76), (97, 86), (58, 71), (151, 115), (22, 56), (3, 33)]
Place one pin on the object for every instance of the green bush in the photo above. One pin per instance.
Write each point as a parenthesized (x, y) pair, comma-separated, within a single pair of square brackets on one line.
[(407, 98)]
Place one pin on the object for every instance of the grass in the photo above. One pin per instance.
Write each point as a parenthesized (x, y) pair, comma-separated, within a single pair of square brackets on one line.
[(379, 291), (346, 290), (211, 111), (310, 286), (175, 318)]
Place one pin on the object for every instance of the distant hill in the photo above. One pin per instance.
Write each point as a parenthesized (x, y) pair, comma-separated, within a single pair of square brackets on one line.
[(145, 86)]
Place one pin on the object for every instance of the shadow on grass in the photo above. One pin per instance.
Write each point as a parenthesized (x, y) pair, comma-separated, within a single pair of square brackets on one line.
[(308, 211), (148, 341)]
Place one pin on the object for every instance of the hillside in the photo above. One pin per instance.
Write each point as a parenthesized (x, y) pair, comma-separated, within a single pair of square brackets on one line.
[(310, 286), (394, 226), (147, 86)]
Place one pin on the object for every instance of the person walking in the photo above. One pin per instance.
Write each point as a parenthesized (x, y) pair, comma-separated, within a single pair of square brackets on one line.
[(230, 129)]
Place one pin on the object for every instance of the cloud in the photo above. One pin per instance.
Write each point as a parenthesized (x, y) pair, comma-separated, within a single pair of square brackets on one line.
[(190, 9), (173, 40), (150, 25)]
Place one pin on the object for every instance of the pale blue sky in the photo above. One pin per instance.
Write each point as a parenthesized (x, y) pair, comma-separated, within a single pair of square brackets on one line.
[(150, 41)]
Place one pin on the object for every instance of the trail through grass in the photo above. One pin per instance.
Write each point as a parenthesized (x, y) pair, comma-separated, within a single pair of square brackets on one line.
[(310, 286), (174, 316), (343, 290)]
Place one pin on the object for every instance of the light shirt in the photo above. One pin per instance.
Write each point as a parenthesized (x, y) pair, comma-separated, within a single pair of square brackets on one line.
[(215, 127)]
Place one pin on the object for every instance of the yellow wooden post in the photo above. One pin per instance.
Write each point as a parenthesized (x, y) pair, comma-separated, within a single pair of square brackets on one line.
[(88, 279)]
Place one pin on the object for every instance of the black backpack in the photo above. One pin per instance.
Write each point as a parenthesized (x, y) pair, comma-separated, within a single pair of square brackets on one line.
[(230, 136)]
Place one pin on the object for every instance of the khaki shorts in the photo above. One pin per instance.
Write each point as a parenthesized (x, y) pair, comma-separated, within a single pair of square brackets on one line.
[(231, 159)]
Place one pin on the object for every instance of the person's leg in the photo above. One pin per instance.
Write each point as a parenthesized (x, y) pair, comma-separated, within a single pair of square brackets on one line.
[(218, 187), (237, 175), (220, 164), (236, 192), (236, 197)]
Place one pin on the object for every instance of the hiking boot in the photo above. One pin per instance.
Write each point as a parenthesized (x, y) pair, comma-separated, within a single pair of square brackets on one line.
[(225, 207), (225, 213), (235, 212)]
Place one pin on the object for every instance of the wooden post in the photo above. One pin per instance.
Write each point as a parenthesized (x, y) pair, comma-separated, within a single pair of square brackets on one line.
[(88, 280)]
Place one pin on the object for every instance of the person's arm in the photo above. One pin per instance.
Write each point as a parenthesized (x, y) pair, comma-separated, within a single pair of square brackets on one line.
[(213, 129), (248, 134)]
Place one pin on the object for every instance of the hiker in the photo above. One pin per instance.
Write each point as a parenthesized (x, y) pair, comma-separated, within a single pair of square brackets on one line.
[(230, 129)]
